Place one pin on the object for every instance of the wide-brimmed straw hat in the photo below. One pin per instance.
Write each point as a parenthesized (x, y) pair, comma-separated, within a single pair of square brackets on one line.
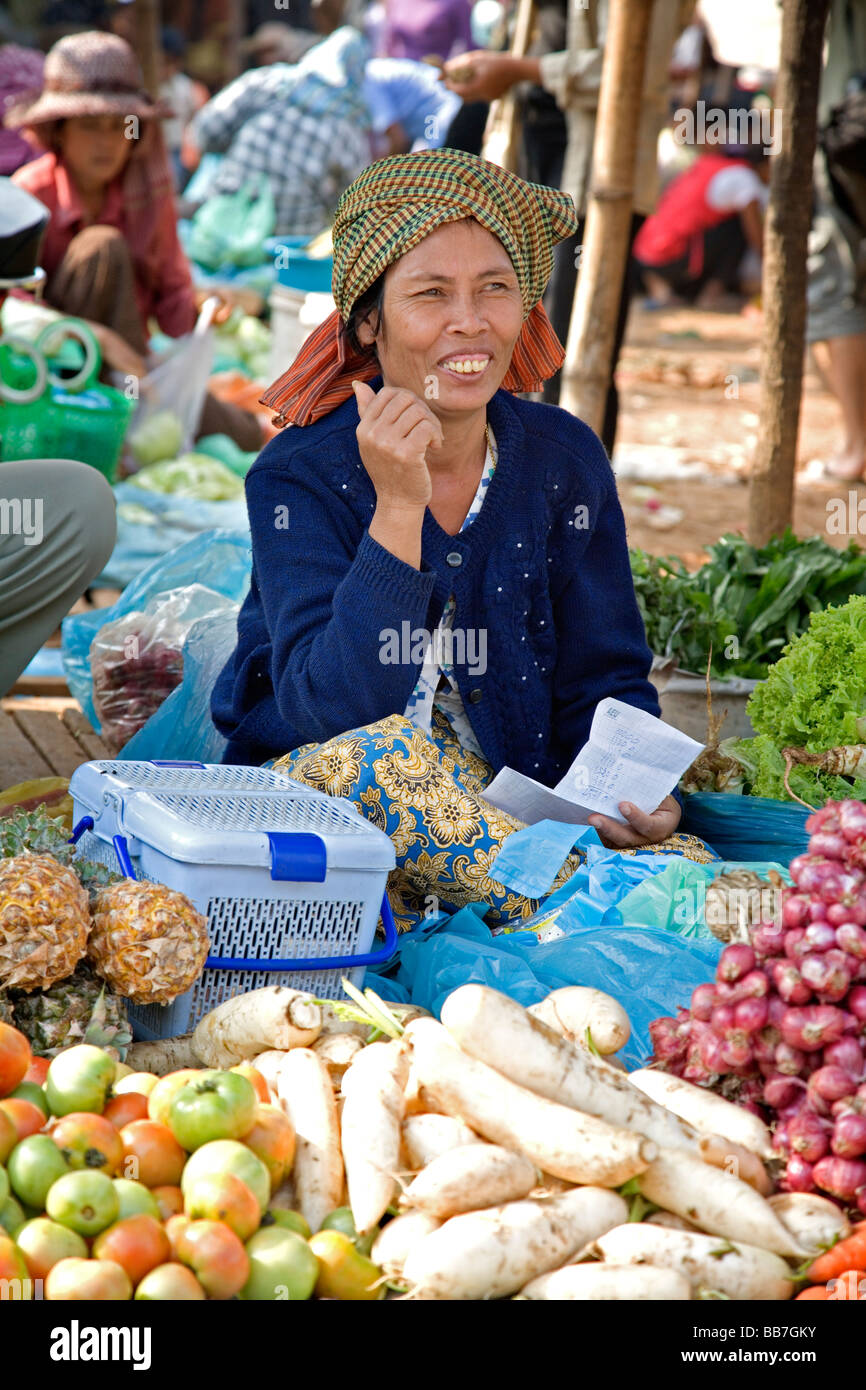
[(89, 74)]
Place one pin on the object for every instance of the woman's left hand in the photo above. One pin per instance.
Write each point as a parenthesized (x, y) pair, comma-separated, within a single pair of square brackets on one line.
[(642, 828)]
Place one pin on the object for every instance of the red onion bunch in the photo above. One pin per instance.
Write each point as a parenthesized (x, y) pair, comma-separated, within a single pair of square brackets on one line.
[(782, 1029)]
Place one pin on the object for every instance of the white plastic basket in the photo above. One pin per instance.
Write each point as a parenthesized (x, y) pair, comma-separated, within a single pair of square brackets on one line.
[(291, 881)]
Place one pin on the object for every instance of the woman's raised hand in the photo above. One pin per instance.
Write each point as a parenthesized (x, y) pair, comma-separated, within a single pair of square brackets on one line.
[(394, 433)]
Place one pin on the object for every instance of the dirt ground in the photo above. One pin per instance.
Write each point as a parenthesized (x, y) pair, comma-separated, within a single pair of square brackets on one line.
[(689, 399)]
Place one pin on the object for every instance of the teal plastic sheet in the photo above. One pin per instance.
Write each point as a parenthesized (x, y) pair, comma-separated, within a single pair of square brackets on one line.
[(747, 827)]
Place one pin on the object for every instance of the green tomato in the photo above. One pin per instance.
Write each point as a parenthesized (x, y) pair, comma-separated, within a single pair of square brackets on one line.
[(289, 1220), (228, 1156), (282, 1267), (34, 1165), (79, 1079), (341, 1219), (4, 1185), (85, 1201), (216, 1105), (11, 1216), (28, 1090), (135, 1199)]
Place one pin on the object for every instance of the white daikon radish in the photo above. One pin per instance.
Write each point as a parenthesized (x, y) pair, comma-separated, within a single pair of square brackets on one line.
[(242, 1027), (469, 1178), (733, 1158), (307, 1096), (707, 1112), (337, 1051), (554, 1137), (576, 1008), (370, 1123), (269, 1064), (391, 1247), (604, 1283), (488, 1254), (673, 1223), (425, 1137), (815, 1222), (716, 1201), (498, 1031), (742, 1272)]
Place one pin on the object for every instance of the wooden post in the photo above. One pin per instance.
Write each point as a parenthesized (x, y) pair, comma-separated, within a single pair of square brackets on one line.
[(786, 231), (502, 129), (147, 43), (604, 254)]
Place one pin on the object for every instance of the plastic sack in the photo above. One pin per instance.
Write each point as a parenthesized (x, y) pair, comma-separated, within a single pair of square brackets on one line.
[(219, 560), (232, 228), (747, 827), (675, 899), (136, 661), (648, 970), (151, 525), (172, 394), (182, 727)]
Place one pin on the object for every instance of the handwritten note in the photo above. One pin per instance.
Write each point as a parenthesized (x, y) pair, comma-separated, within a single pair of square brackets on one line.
[(630, 756)]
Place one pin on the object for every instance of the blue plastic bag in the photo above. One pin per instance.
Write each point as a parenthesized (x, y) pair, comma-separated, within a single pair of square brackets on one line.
[(649, 971), (151, 525), (747, 827), (218, 560)]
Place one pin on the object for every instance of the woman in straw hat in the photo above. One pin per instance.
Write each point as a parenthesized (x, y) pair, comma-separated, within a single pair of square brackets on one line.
[(439, 566), (111, 252)]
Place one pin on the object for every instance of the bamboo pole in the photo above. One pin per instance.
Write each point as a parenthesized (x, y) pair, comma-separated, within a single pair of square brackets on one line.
[(501, 131), (786, 231), (604, 254), (147, 43)]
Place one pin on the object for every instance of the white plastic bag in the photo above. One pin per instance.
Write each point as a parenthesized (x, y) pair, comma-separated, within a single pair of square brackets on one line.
[(169, 409)]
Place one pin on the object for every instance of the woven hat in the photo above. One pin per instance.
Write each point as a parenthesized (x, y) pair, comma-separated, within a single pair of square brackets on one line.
[(89, 74)]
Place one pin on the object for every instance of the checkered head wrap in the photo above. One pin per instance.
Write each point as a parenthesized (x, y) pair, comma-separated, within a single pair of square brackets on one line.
[(392, 206)]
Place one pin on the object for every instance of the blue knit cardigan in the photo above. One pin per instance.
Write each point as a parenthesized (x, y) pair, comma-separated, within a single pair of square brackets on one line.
[(544, 569)]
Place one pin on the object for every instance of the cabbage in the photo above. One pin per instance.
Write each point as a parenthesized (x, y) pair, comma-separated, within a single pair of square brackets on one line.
[(192, 475), (159, 436)]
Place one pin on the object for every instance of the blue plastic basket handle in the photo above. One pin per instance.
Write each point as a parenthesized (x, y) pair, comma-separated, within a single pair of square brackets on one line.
[(379, 957)]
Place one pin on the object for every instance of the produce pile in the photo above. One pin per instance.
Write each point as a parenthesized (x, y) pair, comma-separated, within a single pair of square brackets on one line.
[(783, 1027), (292, 1148), (762, 596), (810, 717), (76, 940)]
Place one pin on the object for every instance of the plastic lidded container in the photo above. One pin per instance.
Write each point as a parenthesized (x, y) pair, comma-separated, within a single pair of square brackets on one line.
[(291, 881)]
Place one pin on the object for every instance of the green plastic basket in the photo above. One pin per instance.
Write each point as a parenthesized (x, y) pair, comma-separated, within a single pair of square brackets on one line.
[(45, 415)]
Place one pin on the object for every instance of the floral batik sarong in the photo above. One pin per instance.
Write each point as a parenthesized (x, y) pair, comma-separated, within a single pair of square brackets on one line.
[(426, 793)]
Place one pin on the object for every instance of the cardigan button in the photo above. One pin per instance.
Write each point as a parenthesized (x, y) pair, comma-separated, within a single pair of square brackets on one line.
[(475, 695), (454, 558)]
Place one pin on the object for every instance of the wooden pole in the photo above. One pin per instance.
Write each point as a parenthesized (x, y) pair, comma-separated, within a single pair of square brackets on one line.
[(604, 254), (147, 43), (786, 230), (501, 132)]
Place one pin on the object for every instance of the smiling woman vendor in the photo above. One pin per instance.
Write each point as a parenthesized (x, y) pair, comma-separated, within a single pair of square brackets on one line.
[(441, 582)]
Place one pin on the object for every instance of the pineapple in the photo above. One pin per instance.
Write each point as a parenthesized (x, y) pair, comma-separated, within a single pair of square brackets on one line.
[(36, 832), (43, 921), (75, 1010), (147, 941), (5, 1008)]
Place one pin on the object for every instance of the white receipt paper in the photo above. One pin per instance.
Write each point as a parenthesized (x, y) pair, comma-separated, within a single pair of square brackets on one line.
[(631, 756)]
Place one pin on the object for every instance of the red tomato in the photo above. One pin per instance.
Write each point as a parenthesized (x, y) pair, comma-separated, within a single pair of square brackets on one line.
[(25, 1116), (216, 1257), (38, 1070), (89, 1141), (138, 1244), (15, 1058), (151, 1154), (123, 1109)]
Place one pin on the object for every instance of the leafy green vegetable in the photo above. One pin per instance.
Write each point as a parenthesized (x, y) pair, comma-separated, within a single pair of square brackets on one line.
[(813, 697), (762, 597)]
